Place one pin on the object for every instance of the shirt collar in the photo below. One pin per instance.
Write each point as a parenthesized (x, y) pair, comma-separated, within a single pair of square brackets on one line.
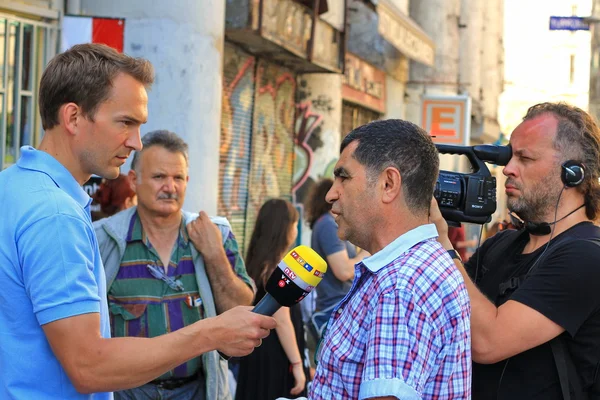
[(399, 246), (41, 161), (136, 231)]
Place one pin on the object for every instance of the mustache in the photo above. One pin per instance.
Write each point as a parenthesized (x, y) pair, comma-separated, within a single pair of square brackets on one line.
[(512, 183), (168, 196)]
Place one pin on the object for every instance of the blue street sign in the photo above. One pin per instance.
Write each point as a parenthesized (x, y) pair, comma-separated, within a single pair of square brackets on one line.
[(568, 24)]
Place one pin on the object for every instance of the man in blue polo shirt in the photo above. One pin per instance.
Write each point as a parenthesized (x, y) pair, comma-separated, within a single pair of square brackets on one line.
[(54, 326)]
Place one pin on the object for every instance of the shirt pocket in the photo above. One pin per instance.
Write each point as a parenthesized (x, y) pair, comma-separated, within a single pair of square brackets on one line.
[(127, 319)]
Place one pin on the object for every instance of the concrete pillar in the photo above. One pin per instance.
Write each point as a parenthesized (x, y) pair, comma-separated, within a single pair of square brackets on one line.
[(492, 67), (440, 20), (470, 48), (394, 98), (184, 42)]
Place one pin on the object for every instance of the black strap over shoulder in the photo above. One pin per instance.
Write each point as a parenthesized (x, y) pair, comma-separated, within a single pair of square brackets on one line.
[(561, 356), (496, 251), (511, 285)]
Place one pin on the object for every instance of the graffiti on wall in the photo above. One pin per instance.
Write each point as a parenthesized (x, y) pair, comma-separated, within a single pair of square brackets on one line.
[(277, 138), (257, 138), (236, 125), (272, 138), (272, 142), (312, 110), (307, 123)]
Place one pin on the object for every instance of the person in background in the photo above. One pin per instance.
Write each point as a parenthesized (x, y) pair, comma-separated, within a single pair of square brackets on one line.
[(340, 255), (456, 234), (278, 367), (168, 269), (113, 195)]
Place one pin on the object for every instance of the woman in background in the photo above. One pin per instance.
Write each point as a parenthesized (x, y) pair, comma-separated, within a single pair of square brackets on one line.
[(340, 256), (112, 196), (277, 367)]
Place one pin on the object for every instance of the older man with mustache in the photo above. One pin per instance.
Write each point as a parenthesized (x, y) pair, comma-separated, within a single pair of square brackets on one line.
[(166, 268)]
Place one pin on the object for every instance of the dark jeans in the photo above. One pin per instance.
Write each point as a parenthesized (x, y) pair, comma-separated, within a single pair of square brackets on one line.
[(194, 390)]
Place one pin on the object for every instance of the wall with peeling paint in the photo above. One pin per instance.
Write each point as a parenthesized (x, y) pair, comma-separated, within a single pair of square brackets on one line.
[(184, 41)]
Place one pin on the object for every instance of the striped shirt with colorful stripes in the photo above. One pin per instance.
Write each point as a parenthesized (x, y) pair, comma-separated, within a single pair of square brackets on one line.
[(143, 305)]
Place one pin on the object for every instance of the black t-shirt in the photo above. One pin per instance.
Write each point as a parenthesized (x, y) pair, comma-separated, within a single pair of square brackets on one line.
[(564, 287)]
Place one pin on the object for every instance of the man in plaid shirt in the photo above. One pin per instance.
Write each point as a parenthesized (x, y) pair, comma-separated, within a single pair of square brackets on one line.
[(402, 332)]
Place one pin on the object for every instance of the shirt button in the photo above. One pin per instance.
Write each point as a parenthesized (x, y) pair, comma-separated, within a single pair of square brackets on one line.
[(339, 311)]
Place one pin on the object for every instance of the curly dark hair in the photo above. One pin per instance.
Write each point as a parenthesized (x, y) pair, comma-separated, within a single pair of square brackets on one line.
[(578, 139)]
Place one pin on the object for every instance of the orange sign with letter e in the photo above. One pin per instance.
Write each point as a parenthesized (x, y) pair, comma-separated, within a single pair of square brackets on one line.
[(447, 118)]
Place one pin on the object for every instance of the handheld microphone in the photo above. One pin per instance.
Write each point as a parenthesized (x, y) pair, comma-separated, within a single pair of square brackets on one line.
[(294, 278)]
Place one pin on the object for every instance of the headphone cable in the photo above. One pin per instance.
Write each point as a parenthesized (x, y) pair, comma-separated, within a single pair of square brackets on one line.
[(478, 255), (552, 231)]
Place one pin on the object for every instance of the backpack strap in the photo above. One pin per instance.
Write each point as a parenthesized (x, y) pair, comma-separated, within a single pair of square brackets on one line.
[(560, 360)]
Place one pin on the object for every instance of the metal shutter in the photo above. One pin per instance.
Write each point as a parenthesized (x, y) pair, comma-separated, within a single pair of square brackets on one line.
[(236, 133), (354, 115), (257, 138), (272, 138)]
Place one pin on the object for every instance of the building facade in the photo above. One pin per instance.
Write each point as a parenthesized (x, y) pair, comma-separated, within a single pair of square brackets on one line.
[(264, 90), (29, 36)]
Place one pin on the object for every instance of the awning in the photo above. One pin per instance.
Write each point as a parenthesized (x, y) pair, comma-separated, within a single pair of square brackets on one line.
[(404, 34), (322, 5)]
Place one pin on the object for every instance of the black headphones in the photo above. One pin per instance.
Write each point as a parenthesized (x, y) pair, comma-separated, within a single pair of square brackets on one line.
[(572, 173), (533, 228), (538, 228)]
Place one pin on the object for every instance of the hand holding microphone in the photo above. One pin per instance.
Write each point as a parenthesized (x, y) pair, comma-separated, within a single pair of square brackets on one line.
[(294, 278)]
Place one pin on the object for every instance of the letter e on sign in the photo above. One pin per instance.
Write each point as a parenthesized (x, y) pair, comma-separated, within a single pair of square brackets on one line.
[(447, 118)]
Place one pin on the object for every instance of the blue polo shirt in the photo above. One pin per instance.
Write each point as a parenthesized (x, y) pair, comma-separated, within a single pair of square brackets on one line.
[(50, 268)]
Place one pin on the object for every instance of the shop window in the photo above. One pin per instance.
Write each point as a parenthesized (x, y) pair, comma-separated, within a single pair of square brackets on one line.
[(25, 48), (354, 115), (321, 5)]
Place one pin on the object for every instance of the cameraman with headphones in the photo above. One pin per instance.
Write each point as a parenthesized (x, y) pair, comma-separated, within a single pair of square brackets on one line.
[(535, 291)]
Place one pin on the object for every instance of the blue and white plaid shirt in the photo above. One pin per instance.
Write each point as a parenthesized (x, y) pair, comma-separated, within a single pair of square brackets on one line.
[(403, 329)]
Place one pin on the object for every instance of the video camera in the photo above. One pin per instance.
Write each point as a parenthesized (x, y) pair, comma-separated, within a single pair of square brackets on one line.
[(470, 197)]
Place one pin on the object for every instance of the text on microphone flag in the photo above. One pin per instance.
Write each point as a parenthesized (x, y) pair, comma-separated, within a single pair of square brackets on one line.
[(302, 261), (290, 274)]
